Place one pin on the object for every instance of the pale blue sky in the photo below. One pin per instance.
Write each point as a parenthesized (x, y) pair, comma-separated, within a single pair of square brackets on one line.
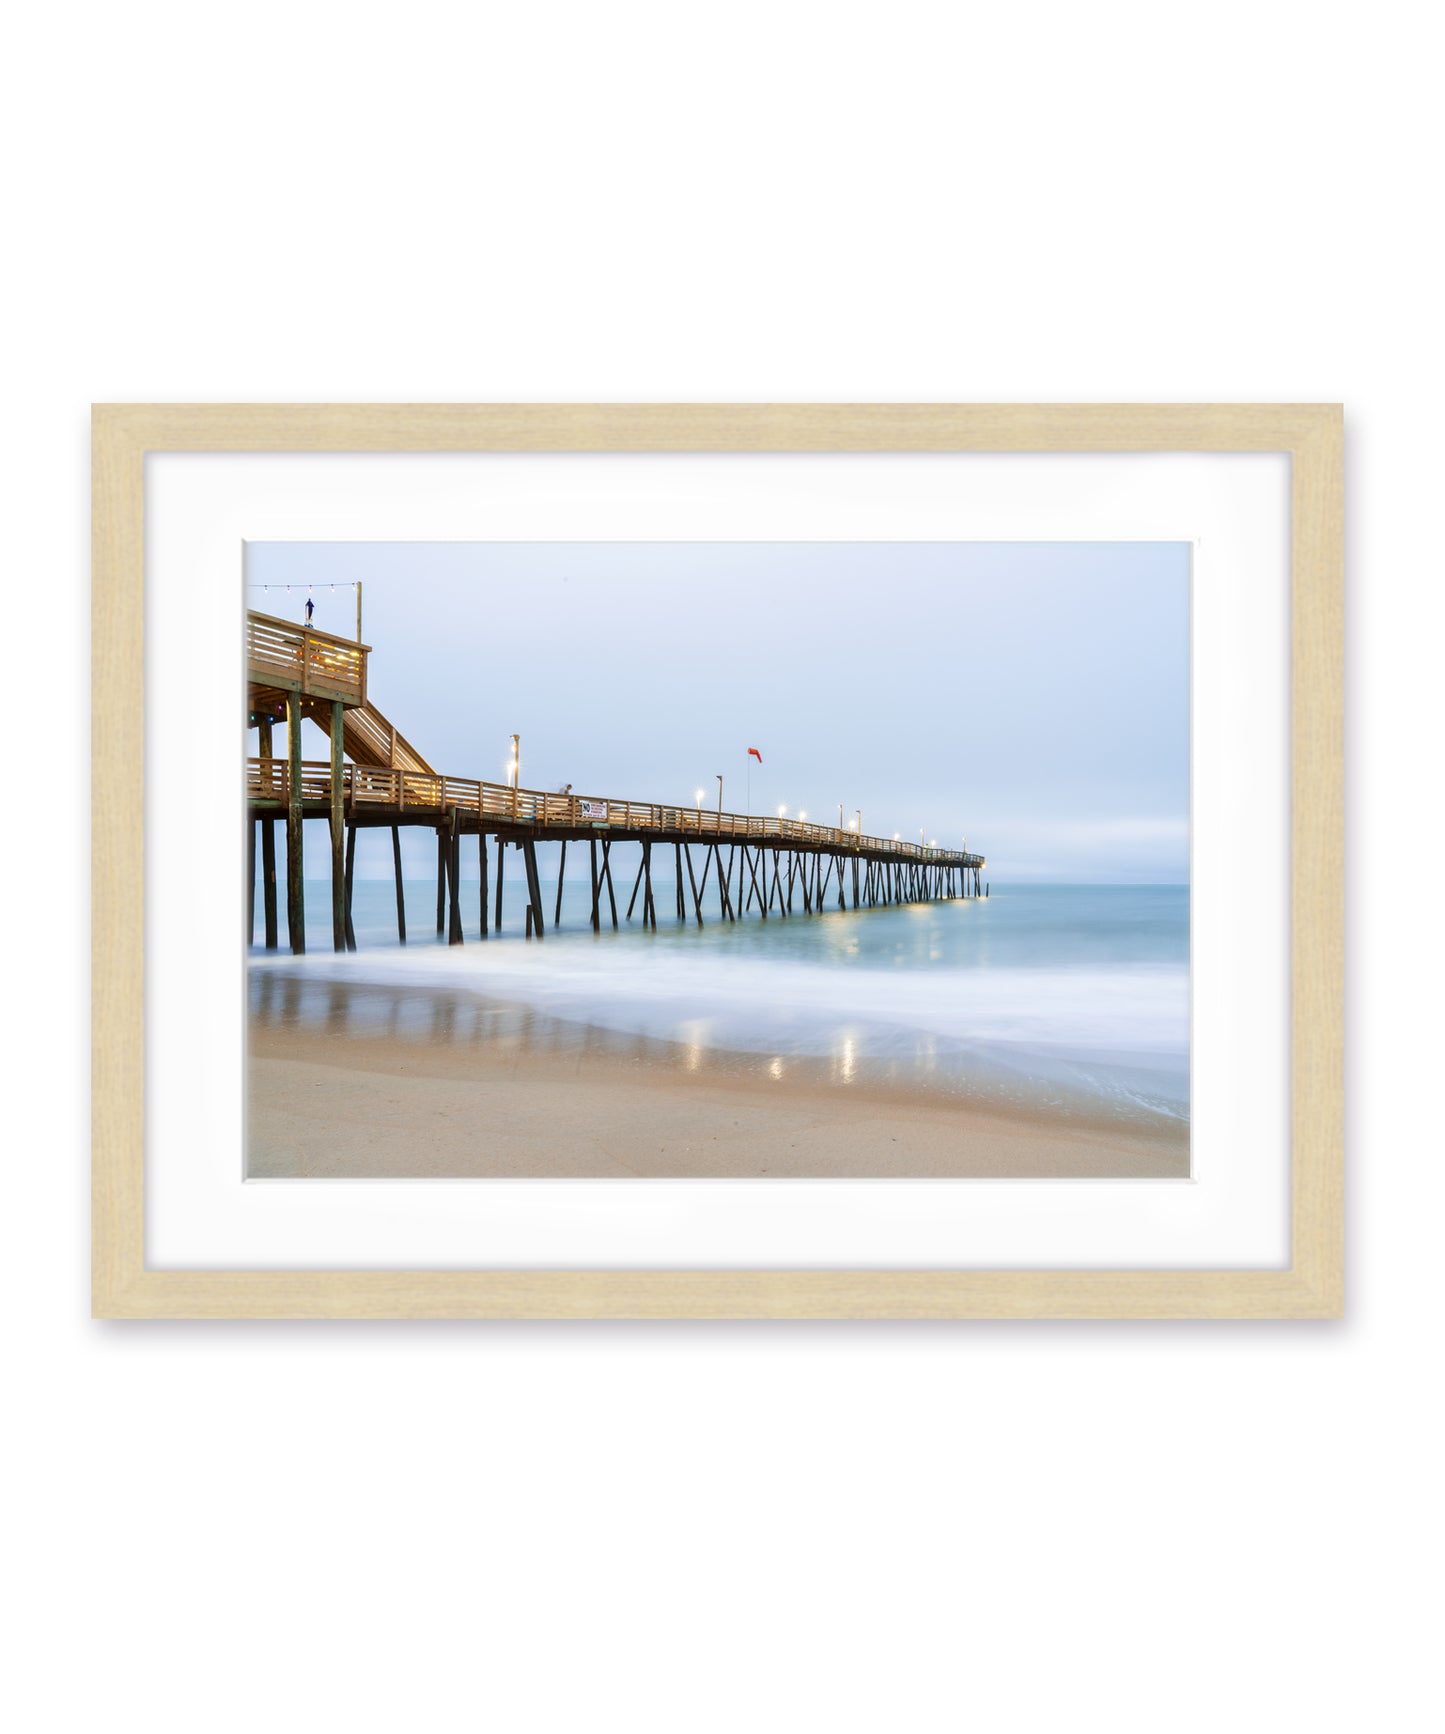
[(1031, 697)]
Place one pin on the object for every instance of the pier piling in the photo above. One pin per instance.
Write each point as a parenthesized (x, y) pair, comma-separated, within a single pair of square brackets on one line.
[(337, 818), (454, 877), (295, 893), (347, 929), (400, 893), (534, 887)]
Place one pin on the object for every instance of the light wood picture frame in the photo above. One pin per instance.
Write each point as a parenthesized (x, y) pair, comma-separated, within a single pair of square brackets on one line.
[(123, 1286)]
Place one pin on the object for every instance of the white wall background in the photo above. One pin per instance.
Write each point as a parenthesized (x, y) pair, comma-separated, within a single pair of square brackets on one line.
[(1022, 1528)]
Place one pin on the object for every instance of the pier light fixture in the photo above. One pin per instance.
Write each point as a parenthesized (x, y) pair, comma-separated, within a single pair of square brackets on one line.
[(895, 836), (719, 794), (782, 812), (801, 817), (699, 800)]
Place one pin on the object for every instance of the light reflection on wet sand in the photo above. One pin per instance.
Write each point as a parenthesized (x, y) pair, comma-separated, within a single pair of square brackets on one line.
[(355, 1013), (358, 1012)]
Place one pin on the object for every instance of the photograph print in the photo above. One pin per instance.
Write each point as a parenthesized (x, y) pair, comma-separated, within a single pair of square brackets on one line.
[(718, 860)]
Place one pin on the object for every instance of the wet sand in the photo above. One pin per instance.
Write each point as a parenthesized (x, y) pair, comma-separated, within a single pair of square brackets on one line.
[(381, 1105)]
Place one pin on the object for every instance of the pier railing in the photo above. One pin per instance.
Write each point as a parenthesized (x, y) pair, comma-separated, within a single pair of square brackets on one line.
[(406, 791), (300, 659)]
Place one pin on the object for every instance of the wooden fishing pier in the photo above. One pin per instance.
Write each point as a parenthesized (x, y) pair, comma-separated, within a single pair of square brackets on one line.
[(375, 779)]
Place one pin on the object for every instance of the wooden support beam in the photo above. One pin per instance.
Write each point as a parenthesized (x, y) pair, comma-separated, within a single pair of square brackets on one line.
[(534, 887), (251, 881), (681, 900), (607, 875), (400, 892), (482, 866), (338, 833), (692, 877), (268, 880), (725, 882), (754, 892), (501, 861), (268, 839), (596, 889), (295, 894), (561, 874), (637, 886), (454, 877), (350, 881), (649, 909), (441, 881)]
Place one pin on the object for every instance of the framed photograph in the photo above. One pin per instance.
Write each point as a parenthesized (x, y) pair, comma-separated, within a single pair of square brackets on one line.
[(732, 861)]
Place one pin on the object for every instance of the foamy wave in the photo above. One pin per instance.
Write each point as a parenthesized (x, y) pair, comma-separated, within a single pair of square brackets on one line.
[(758, 1006)]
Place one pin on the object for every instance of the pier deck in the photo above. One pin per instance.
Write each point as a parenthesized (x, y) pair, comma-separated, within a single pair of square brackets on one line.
[(295, 671)]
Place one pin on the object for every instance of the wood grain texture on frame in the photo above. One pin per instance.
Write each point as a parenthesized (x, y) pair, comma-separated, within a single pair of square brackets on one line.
[(1312, 1285)]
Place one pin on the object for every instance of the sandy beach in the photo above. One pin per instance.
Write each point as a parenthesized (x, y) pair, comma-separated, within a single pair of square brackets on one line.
[(324, 1104)]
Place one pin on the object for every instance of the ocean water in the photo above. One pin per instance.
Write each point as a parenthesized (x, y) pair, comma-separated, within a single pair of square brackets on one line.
[(1074, 997)]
